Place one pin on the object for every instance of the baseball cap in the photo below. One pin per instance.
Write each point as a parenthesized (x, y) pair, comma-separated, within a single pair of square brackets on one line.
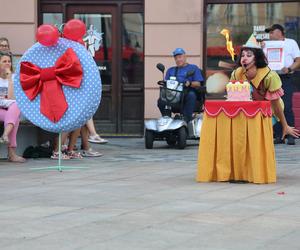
[(274, 27), (178, 51)]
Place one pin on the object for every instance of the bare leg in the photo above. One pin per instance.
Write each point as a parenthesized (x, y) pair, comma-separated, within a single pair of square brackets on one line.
[(91, 127), (55, 153), (87, 150), (13, 157), (7, 130), (72, 142), (64, 137), (84, 137), (93, 136), (73, 139)]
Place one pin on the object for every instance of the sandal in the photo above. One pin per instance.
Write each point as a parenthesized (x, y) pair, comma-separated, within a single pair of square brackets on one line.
[(97, 139), (91, 153), (64, 148), (55, 156), (74, 155)]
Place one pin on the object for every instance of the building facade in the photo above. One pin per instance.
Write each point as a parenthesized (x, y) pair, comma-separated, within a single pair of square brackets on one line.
[(127, 38)]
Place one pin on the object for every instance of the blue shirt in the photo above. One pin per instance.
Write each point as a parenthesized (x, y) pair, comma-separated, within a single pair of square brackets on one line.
[(182, 71)]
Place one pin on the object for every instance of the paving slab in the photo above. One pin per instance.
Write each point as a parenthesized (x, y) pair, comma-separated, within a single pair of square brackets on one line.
[(134, 198)]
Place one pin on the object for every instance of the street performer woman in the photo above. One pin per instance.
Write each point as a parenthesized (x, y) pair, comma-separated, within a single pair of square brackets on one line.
[(266, 84), (240, 149)]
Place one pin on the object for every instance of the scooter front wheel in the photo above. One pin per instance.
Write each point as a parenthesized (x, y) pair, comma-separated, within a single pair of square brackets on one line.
[(181, 138), (149, 138)]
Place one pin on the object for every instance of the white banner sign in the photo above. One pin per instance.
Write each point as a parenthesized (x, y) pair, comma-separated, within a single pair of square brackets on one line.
[(275, 54)]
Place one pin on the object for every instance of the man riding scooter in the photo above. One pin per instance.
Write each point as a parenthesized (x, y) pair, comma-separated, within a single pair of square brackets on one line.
[(179, 90), (179, 73)]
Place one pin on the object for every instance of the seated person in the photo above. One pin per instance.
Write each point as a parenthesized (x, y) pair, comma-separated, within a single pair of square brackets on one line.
[(9, 111), (191, 83)]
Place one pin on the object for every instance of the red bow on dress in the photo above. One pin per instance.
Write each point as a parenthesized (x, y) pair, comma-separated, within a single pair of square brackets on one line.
[(48, 81)]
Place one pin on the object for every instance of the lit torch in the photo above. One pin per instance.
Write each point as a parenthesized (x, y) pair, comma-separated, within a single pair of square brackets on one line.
[(230, 49)]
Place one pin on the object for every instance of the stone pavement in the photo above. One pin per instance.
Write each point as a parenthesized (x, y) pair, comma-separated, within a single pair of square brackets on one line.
[(137, 199)]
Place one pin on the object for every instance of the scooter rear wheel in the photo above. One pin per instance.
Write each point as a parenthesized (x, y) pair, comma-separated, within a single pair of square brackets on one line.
[(181, 138), (149, 138)]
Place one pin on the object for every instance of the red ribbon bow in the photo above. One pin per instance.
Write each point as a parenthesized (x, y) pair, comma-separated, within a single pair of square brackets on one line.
[(48, 81)]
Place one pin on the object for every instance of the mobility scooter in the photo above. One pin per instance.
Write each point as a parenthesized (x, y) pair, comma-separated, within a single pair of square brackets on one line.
[(172, 127)]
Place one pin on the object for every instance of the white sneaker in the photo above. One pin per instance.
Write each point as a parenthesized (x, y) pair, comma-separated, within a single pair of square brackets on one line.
[(90, 153), (97, 139)]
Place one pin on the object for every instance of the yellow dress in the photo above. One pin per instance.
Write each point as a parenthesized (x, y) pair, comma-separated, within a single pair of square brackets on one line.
[(239, 148)]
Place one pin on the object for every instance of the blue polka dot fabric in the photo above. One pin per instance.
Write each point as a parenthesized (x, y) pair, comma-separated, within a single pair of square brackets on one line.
[(82, 102)]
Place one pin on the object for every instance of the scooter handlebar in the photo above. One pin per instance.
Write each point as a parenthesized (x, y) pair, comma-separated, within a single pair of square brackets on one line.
[(161, 83)]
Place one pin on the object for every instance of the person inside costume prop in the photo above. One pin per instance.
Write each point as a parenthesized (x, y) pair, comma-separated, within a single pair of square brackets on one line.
[(9, 111), (191, 83), (266, 84), (291, 62)]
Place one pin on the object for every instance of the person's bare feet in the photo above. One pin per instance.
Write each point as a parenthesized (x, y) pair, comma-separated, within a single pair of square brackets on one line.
[(16, 158)]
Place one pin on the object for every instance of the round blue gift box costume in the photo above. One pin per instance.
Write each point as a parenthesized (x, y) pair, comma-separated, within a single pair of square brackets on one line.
[(82, 102)]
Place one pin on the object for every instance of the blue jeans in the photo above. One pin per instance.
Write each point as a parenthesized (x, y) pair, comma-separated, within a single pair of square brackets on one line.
[(189, 103), (289, 88)]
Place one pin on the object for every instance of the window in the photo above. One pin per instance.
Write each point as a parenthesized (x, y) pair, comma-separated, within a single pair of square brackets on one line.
[(132, 48), (240, 20), (53, 18)]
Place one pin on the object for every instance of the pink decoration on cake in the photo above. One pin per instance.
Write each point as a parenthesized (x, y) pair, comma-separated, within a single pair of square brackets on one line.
[(238, 91)]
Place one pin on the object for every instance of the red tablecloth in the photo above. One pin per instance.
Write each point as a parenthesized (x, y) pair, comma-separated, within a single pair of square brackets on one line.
[(232, 109)]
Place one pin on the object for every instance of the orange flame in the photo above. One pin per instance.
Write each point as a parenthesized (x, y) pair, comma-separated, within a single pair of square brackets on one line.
[(230, 49)]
